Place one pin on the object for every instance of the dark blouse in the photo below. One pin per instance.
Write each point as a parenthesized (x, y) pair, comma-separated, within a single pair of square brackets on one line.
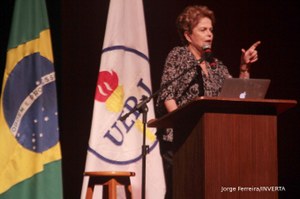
[(183, 80)]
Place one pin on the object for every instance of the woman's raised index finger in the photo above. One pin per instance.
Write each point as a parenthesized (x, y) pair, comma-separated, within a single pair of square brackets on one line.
[(255, 44)]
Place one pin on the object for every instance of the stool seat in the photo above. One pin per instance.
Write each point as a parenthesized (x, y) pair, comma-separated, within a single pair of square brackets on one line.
[(109, 179)]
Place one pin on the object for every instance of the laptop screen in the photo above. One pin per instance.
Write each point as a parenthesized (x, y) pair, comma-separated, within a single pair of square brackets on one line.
[(245, 88)]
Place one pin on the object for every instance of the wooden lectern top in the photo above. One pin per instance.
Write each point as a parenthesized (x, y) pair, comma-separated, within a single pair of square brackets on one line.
[(201, 105)]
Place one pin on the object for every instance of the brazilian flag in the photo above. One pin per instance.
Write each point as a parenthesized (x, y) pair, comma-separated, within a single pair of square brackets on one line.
[(30, 155)]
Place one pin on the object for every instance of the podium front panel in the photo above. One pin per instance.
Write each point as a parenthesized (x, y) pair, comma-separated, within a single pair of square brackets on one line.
[(228, 156)]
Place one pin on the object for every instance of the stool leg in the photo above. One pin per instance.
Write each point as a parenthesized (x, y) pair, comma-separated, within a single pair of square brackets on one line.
[(112, 189), (89, 193), (128, 192)]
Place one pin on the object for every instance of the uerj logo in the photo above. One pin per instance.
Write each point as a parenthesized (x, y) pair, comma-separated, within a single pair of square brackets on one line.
[(115, 141)]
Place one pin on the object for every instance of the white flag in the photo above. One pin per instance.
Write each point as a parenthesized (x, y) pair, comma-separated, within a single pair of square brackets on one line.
[(124, 77)]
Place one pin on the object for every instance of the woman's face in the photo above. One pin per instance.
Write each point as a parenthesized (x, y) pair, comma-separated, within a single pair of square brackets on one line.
[(202, 34)]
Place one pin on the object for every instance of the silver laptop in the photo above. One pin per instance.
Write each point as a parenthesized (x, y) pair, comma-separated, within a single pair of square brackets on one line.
[(245, 88)]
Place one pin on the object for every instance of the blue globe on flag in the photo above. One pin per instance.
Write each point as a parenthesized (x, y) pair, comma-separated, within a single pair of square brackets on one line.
[(29, 101)]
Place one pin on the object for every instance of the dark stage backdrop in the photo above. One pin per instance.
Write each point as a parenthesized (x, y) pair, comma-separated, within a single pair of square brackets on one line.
[(78, 28)]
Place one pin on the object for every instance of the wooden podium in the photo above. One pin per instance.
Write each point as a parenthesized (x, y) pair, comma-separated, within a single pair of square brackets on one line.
[(225, 148)]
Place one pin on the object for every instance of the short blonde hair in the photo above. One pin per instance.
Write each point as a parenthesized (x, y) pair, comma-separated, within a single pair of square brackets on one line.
[(190, 17)]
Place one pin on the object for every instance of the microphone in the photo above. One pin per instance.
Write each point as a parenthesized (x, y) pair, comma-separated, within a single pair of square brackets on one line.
[(208, 56)]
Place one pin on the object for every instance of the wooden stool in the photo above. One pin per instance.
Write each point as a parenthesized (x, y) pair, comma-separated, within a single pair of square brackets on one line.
[(110, 180)]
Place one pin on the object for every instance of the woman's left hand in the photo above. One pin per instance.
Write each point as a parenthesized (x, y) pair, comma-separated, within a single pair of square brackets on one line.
[(250, 56)]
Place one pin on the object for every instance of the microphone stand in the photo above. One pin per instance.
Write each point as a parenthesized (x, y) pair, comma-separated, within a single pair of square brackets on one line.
[(143, 108)]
